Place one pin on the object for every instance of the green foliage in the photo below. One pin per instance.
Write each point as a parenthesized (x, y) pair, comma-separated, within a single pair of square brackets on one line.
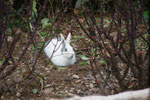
[(78, 26), (85, 60), (41, 83), (45, 23), (62, 95), (80, 3), (84, 63), (23, 72), (102, 61), (34, 90), (146, 16), (83, 57), (43, 34), (42, 78), (61, 68), (1, 60), (34, 9), (40, 44)]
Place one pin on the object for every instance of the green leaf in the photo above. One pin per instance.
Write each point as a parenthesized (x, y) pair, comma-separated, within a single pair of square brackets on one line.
[(80, 3), (102, 61), (61, 68), (44, 22), (78, 37), (105, 25), (43, 33), (62, 95), (1, 62), (106, 20), (40, 45), (86, 26), (9, 30), (34, 90), (78, 26), (146, 15), (34, 7), (31, 26), (83, 57), (84, 63), (42, 83), (123, 29)]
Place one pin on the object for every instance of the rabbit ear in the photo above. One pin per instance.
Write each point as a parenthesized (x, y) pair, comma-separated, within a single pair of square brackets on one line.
[(69, 37), (62, 37)]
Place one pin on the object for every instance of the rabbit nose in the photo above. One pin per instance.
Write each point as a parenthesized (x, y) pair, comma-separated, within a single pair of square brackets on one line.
[(71, 55)]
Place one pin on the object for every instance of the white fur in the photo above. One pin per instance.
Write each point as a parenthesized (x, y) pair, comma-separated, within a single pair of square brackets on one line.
[(55, 50), (129, 95)]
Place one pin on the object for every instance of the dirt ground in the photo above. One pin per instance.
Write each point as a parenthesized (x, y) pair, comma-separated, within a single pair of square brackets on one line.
[(49, 81), (58, 83), (55, 82)]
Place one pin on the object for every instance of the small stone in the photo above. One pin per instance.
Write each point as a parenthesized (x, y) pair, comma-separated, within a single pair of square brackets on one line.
[(78, 81), (2, 97), (10, 39), (70, 94), (47, 98), (47, 69), (76, 76), (48, 90), (48, 85), (91, 85), (18, 94)]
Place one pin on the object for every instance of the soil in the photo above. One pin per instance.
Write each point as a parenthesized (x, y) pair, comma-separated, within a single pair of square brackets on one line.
[(58, 83), (49, 81)]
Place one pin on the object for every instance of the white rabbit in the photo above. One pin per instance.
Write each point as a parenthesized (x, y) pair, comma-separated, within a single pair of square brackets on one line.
[(59, 51)]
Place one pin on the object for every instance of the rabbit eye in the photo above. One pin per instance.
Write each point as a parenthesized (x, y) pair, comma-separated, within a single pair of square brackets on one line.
[(65, 49)]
